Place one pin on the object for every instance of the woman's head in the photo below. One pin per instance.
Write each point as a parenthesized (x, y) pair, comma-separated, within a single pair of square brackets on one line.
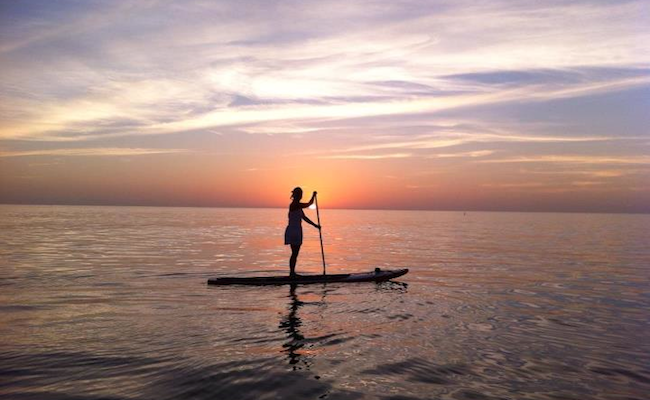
[(296, 194)]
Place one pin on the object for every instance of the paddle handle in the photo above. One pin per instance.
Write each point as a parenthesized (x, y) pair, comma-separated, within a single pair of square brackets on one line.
[(320, 234)]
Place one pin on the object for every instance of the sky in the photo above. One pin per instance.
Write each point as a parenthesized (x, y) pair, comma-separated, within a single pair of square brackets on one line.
[(493, 105)]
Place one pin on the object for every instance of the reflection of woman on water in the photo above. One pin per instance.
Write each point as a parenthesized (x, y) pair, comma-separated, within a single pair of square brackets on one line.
[(291, 325), (293, 233)]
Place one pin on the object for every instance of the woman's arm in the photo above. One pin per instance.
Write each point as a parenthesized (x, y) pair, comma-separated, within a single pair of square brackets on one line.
[(305, 205), (310, 222)]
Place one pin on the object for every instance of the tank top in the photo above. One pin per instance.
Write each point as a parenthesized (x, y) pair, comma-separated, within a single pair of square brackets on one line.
[(295, 217)]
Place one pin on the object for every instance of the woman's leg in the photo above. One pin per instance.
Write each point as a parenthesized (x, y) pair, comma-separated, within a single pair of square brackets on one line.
[(295, 249)]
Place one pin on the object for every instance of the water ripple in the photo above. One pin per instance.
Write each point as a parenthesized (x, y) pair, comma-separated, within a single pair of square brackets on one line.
[(111, 303)]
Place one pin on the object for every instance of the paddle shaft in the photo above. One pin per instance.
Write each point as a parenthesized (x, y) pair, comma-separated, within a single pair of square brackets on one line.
[(320, 234)]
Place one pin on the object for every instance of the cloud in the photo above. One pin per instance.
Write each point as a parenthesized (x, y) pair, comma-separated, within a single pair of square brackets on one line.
[(562, 76), (575, 159), (176, 68), (518, 185), (449, 138), (473, 154), (367, 156), (598, 172), (546, 187), (164, 107), (110, 151)]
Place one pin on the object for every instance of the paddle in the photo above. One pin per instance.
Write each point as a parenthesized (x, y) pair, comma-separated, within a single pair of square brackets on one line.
[(320, 233)]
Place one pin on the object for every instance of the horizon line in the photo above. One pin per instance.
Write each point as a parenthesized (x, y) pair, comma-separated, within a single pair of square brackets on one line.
[(330, 208)]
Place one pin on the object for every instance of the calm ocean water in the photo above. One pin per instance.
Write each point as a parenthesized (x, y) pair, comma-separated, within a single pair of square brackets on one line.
[(112, 303)]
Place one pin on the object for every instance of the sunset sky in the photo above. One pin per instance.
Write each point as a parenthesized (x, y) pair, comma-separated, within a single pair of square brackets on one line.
[(444, 105)]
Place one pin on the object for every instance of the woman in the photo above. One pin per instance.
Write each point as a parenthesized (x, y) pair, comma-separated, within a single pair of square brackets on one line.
[(293, 233)]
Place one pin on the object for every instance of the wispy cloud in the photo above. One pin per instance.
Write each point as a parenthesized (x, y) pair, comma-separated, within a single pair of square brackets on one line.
[(306, 71), (109, 151), (450, 137), (574, 159), (462, 154), (599, 171), (472, 154), (367, 156), (548, 187), (517, 185)]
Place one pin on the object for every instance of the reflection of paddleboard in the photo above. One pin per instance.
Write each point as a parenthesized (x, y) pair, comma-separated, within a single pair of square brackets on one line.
[(374, 276)]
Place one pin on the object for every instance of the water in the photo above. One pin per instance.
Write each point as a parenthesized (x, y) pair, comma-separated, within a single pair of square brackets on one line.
[(111, 303)]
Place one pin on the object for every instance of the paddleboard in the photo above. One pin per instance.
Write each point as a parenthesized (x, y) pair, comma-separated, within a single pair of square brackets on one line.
[(378, 275)]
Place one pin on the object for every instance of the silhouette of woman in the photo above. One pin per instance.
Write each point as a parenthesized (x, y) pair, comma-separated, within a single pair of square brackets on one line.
[(293, 233)]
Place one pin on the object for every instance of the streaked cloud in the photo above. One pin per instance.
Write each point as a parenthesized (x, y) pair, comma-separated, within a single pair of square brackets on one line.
[(449, 137), (547, 187), (520, 185), (472, 154), (368, 156), (86, 152), (599, 172), (231, 71), (575, 159)]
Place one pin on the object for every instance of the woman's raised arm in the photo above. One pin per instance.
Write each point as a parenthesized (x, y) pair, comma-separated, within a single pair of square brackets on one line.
[(305, 205)]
